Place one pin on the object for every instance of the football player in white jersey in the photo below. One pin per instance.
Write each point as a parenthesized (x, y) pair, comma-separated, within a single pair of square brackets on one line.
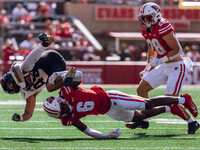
[(40, 68), (170, 68)]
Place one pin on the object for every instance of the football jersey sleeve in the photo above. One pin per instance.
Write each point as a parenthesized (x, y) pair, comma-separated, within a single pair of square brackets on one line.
[(164, 28), (68, 121), (66, 91)]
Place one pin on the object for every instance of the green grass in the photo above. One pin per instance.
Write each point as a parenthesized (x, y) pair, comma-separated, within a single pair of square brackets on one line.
[(43, 132)]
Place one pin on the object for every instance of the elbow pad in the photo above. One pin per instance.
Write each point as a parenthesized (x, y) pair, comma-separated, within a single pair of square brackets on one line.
[(180, 49), (178, 54), (17, 67)]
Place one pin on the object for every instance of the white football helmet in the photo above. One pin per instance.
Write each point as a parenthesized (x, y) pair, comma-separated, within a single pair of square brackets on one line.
[(150, 11), (56, 107)]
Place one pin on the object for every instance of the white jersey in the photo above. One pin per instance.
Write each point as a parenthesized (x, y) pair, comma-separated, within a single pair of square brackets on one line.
[(39, 79)]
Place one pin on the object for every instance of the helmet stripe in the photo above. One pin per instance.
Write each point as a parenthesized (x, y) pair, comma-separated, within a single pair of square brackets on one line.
[(49, 109), (50, 112)]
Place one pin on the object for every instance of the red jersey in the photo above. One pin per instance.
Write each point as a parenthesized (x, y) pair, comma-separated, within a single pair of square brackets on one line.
[(8, 51), (154, 38), (84, 102)]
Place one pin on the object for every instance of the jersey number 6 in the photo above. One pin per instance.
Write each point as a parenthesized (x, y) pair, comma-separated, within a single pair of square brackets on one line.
[(85, 106)]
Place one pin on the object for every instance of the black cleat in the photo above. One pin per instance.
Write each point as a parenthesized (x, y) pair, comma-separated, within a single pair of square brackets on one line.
[(192, 127), (140, 124), (46, 39)]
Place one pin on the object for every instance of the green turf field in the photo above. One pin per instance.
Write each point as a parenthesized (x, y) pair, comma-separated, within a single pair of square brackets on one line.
[(42, 132)]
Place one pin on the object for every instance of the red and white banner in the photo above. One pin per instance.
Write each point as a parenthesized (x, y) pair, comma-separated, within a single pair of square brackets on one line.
[(180, 18)]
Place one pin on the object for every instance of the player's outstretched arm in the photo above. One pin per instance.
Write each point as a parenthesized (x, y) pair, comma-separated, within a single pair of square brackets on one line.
[(28, 112), (96, 134)]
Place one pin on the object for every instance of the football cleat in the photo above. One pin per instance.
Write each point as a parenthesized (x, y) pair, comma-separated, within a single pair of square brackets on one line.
[(70, 76), (176, 110), (192, 127), (46, 39), (190, 105), (71, 72), (140, 124)]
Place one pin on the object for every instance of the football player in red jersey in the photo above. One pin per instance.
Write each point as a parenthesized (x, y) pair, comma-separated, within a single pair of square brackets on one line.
[(170, 68), (73, 104)]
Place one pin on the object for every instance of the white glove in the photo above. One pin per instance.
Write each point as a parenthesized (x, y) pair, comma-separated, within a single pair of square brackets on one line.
[(155, 61), (114, 134), (143, 73)]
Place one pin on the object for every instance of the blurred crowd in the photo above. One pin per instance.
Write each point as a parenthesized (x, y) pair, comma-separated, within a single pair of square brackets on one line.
[(20, 29), (21, 26)]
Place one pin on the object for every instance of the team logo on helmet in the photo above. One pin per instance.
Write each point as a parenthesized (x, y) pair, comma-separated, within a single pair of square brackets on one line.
[(57, 107)]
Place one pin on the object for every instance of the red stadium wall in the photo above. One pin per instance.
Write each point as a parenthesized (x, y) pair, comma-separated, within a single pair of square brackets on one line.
[(121, 72), (114, 72)]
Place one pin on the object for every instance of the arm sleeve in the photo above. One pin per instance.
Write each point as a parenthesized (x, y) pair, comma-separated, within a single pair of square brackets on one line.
[(32, 58), (52, 78), (95, 134)]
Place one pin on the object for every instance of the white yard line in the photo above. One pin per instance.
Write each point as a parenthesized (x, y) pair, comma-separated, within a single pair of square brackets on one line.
[(17, 102), (94, 148), (163, 120), (69, 128)]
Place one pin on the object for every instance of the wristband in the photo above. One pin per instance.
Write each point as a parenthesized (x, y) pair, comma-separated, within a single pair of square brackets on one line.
[(21, 118), (164, 59), (148, 67), (63, 76)]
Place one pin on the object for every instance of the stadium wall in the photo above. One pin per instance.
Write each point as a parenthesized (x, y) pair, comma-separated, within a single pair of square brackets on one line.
[(114, 72), (101, 18)]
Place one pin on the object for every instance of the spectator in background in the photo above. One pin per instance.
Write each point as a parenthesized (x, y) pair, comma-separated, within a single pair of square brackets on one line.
[(81, 43), (185, 50), (124, 53), (45, 18), (51, 28), (132, 51), (8, 50), (29, 43), (66, 24), (43, 8), (63, 32), (26, 21), (193, 53), (4, 21), (90, 56), (18, 12), (143, 56)]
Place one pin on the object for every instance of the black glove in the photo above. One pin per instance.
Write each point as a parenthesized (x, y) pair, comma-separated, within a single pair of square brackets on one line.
[(16, 117), (68, 81)]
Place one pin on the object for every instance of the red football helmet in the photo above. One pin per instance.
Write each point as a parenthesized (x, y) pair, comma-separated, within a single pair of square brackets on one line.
[(149, 14)]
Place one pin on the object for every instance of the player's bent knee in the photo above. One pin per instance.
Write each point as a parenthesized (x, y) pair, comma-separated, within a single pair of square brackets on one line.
[(138, 116)]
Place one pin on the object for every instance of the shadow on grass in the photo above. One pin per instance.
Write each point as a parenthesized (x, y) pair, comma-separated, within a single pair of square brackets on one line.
[(139, 136)]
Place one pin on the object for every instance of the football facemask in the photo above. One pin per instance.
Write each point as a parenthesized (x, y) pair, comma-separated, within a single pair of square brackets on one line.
[(150, 11)]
